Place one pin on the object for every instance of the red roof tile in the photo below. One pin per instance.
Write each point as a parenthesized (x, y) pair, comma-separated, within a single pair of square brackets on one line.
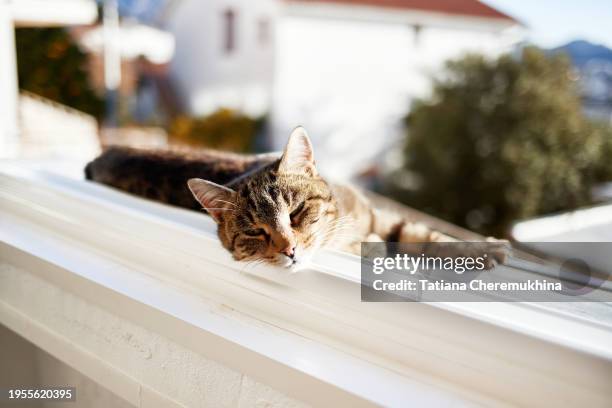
[(459, 7)]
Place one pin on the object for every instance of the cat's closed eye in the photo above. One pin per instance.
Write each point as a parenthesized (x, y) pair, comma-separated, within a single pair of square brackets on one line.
[(255, 232), (295, 213)]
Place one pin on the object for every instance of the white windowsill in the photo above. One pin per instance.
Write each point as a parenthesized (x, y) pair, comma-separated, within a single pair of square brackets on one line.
[(302, 333)]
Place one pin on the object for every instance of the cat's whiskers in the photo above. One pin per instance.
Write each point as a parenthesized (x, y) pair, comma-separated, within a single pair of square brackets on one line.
[(252, 264), (341, 224), (335, 233), (342, 219), (351, 237), (338, 228), (321, 234)]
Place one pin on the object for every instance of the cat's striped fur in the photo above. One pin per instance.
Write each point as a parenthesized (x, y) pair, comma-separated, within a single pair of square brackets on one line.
[(268, 208)]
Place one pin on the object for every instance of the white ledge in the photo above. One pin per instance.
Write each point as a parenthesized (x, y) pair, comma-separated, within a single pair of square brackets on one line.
[(306, 334)]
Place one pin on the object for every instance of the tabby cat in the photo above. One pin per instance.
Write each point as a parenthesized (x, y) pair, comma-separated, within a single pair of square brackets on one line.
[(277, 210)]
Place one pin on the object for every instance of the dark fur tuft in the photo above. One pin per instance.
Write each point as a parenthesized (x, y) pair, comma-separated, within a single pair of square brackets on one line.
[(162, 175), (89, 171)]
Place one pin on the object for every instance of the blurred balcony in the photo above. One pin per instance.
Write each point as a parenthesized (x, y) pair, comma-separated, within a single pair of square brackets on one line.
[(49, 129)]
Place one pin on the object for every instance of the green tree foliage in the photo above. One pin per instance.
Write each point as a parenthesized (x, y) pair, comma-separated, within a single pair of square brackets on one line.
[(502, 140), (224, 129), (50, 64)]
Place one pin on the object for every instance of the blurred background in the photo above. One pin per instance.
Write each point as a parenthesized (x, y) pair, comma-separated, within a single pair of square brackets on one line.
[(482, 113)]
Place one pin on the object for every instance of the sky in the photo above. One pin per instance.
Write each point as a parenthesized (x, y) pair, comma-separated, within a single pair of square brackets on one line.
[(143, 9), (555, 22)]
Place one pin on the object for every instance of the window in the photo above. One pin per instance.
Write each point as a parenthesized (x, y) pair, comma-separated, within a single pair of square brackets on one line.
[(263, 31), (229, 31), (417, 29)]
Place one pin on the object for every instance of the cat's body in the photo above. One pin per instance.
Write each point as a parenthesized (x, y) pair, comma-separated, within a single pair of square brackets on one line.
[(162, 175), (268, 207)]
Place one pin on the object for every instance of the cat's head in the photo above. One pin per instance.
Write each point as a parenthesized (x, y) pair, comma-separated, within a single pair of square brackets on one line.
[(279, 215)]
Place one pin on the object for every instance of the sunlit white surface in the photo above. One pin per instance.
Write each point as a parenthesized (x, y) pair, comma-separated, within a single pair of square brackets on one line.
[(350, 74), (207, 76), (580, 228), (582, 225), (135, 40), (163, 268)]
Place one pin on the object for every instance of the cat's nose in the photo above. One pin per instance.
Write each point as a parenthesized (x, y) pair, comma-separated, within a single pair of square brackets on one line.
[(289, 251)]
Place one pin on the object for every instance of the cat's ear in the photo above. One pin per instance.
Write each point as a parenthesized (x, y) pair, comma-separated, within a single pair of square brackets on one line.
[(214, 198), (298, 156)]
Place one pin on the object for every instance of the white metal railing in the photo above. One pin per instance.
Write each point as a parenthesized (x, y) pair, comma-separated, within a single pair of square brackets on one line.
[(305, 334)]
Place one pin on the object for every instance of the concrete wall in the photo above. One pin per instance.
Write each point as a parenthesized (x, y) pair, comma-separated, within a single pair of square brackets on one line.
[(177, 373), (206, 75), (24, 364), (19, 365), (348, 74), (350, 82)]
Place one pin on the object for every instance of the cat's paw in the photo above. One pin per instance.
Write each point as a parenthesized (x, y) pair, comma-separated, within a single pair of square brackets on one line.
[(374, 238), (372, 251), (490, 252), (498, 252)]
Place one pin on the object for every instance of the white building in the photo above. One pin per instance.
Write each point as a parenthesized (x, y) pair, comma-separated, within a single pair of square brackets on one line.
[(347, 70), (224, 53)]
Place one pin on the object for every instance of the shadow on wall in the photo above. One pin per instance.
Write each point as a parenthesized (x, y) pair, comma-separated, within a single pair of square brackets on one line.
[(24, 364)]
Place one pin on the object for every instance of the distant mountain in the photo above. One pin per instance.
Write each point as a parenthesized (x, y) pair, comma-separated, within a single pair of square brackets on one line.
[(594, 65), (582, 52)]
